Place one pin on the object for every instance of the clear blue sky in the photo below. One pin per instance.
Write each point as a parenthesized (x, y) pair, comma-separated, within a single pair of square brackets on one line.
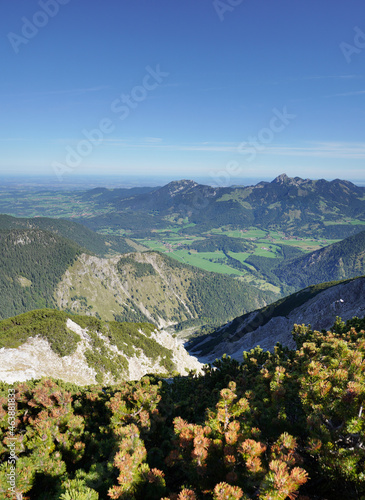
[(224, 89)]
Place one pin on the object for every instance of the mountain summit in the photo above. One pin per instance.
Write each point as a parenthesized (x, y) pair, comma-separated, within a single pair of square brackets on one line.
[(176, 187), (180, 195), (281, 179)]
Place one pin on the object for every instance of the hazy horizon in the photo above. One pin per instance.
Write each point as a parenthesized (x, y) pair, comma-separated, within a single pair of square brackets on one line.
[(114, 181)]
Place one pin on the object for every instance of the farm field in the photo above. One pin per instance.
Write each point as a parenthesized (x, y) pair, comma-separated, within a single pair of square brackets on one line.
[(209, 261), (57, 204), (265, 244)]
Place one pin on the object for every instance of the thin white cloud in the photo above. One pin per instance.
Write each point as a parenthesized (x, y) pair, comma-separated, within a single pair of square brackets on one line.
[(330, 77), (58, 91), (318, 77), (75, 91), (345, 94), (347, 150), (153, 139), (315, 149), (157, 144)]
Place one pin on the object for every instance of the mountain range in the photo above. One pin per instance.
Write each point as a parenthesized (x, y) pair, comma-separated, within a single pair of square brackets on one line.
[(294, 205)]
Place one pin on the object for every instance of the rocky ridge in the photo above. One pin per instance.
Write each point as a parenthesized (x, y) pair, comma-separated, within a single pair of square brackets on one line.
[(35, 359), (345, 300)]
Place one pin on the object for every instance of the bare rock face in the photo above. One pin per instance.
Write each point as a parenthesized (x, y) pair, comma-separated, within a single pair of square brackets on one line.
[(345, 300), (35, 359), (183, 360)]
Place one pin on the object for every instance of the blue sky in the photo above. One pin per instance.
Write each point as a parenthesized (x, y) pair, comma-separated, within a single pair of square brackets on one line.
[(221, 89)]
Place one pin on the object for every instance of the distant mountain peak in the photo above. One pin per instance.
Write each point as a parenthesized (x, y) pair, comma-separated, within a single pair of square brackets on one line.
[(281, 179), (183, 182), (176, 187)]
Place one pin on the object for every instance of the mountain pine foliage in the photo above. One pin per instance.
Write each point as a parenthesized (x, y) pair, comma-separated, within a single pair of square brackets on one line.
[(282, 425)]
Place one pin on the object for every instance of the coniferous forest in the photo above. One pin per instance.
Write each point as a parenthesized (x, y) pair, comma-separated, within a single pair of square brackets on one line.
[(278, 425)]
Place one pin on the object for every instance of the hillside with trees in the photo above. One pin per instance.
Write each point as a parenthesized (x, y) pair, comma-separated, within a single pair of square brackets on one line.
[(98, 244), (32, 262), (40, 269), (86, 350), (342, 260), (294, 270), (151, 286)]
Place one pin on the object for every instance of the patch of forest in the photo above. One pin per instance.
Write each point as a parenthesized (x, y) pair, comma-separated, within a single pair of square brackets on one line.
[(221, 242), (32, 263), (98, 244)]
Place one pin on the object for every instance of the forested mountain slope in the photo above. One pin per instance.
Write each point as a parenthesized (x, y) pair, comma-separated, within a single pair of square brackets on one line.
[(96, 243), (341, 260), (151, 286), (41, 269), (32, 262)]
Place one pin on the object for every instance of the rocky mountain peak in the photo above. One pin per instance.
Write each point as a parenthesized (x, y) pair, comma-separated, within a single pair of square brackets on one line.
[(281, 179), (176, 187)]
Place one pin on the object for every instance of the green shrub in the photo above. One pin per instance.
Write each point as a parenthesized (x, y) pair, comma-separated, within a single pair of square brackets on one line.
[(76, 490), (46, 323)]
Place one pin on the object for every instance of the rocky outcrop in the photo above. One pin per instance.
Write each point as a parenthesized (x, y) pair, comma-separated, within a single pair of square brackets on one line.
[(345, 300), (35, 359)]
